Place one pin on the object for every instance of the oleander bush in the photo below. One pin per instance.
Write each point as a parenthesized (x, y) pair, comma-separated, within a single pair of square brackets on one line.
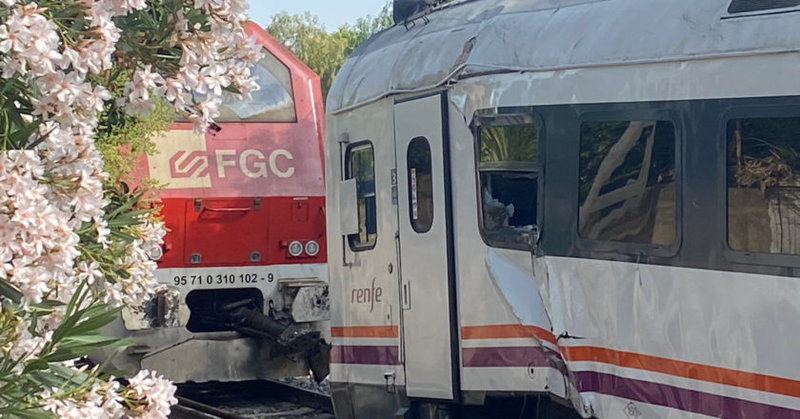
[(84, 84)]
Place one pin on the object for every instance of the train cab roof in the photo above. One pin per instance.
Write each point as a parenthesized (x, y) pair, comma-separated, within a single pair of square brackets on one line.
[(466, 38)]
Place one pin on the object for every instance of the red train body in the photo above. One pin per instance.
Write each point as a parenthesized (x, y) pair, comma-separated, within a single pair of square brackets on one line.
[(244, 259)]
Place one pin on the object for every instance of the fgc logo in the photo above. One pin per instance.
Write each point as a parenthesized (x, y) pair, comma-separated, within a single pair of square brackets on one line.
[(184, 164), (251, 163)]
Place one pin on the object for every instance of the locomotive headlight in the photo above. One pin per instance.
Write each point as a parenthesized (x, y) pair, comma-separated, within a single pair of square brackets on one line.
[(295, 248), (155, 253), (312, 248)]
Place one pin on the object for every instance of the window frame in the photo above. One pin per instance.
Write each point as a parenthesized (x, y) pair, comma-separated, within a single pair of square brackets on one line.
[(630, 113), (754, 111), (733, 13), (347, 176), (411, 220), (505, 116)]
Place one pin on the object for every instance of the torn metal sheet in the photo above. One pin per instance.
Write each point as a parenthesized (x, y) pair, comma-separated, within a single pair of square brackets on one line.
[(518, 288), (311, 304), (162, 310), (548, 35)]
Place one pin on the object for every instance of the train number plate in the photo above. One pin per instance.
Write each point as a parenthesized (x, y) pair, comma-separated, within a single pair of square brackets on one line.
[(230, 278), (217, 277)]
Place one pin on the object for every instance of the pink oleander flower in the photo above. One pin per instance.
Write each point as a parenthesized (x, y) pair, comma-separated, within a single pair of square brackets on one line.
[(156, 394)]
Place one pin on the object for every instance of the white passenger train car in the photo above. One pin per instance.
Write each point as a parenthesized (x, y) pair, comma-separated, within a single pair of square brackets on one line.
[(568, 208)]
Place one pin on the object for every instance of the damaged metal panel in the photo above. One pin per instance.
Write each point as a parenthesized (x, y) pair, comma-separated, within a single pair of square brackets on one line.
[(694, 337), (245, 359), (518, 288), (311, 304), (548, 35), (162, 310), (409, 73)]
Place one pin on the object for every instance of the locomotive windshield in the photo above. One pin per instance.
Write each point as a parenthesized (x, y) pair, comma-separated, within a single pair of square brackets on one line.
[(508, 174), (274, 102)]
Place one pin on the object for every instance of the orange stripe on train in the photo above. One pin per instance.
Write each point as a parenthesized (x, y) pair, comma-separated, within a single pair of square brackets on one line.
[(506, 331), (702, 372), (365, 331), (726, 376)]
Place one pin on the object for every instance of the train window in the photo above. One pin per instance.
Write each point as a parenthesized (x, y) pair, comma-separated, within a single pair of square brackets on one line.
[(361, 167), (764, 185), (420, 185), (508, 175), (744, 6), (273, 102), (627, 182)]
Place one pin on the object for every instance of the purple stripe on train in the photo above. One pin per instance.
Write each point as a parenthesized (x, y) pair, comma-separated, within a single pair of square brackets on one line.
[(365, 355), (678, 398), (505, 356), (513, 356)]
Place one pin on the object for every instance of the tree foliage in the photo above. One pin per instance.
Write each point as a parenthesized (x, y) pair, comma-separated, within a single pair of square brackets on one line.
[(323, 51), (122, 138)]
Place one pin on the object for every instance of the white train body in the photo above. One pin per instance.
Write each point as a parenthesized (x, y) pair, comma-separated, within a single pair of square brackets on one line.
[(645, 275)]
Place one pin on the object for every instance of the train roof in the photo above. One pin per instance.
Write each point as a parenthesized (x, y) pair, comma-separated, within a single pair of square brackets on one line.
[(472, 37)]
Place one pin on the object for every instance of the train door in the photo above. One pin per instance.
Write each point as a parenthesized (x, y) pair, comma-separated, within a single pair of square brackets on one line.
[(425, 247)]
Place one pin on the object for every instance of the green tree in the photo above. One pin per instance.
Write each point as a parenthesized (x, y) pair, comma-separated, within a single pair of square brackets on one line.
[(365, 27), (323, 51)]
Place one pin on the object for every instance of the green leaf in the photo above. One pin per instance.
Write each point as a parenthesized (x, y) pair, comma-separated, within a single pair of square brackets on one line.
[(33, 413), (9, 291), (134, 198), (76, 347), (21, 135), (36, 364), (95, 323)]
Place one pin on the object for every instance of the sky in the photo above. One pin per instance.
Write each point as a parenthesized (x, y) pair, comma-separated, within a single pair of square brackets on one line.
[(331, 13)]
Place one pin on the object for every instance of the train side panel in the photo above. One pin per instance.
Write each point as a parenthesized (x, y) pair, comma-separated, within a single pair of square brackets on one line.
[(641, 277), (366, 331)]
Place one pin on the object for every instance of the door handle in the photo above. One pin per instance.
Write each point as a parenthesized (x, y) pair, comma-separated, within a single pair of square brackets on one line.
[(406, 296), (228, 210)]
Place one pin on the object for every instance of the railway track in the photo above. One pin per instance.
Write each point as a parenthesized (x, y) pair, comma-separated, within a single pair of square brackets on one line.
[(262, 399)]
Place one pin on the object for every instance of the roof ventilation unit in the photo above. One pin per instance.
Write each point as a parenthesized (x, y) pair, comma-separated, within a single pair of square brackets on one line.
[(404, 9)]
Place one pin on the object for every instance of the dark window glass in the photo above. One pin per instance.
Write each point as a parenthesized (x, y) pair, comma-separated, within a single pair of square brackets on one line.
[(743, 6), (361, 167), (272, 103), (627, 181), (508, 173), (764, 185), (420, 185)]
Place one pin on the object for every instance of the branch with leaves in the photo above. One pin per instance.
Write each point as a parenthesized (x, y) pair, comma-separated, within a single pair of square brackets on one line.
[(83, 86)]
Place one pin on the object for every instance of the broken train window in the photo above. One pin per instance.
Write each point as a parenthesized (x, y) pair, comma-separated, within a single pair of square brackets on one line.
[(508, 175)]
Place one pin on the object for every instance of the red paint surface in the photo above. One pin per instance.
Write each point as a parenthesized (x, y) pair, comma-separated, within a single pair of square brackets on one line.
[(222, 222), (225, 231)]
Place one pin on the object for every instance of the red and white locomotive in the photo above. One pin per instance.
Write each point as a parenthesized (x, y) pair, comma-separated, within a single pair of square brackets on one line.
[(244, 260)]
